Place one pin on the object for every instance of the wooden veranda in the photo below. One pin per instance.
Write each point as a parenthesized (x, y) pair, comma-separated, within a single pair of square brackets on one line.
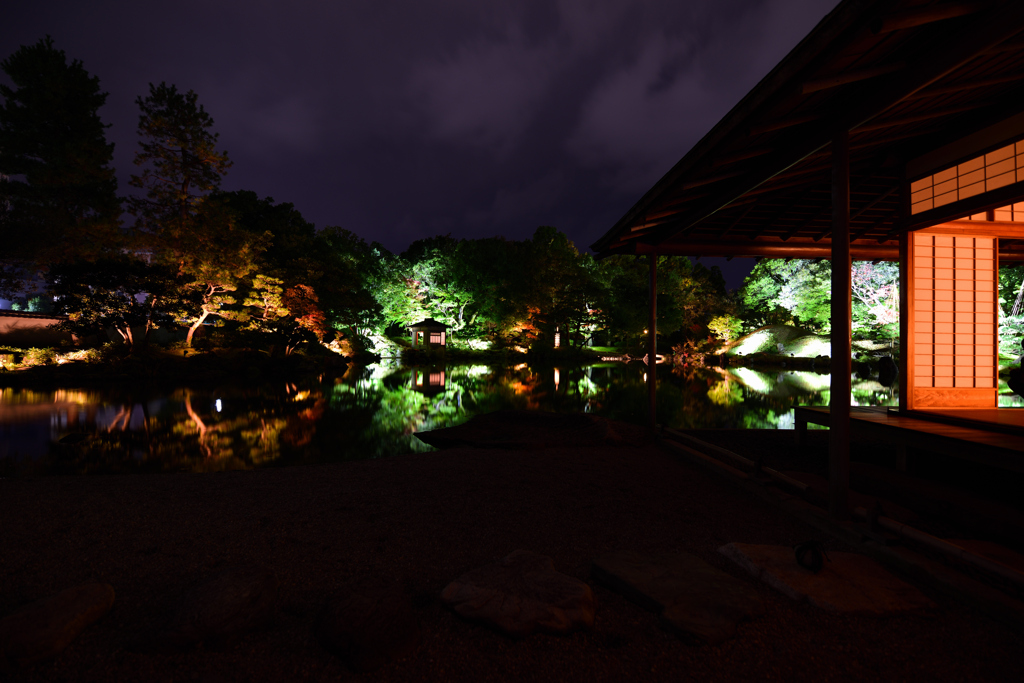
[(893, 131)]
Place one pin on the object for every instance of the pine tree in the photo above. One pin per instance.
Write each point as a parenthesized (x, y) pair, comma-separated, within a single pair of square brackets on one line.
[(180, 161), (180, 218), (58, 193)]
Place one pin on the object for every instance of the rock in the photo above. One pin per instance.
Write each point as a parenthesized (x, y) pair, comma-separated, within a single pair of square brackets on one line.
[(44, 628), (369, 627), (888, 371), (848, 584), (231, 602), (522, 594), (693, 598)]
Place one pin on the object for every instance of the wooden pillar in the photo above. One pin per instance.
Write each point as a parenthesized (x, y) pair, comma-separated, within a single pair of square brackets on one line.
[(652, 342), (906, 327), (839, 407)]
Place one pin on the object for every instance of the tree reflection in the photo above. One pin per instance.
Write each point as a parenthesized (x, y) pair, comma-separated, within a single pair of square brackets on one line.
[(370, 412)]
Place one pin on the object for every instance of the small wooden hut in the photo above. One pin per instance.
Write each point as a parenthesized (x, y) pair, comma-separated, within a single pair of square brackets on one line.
[(429, 334)]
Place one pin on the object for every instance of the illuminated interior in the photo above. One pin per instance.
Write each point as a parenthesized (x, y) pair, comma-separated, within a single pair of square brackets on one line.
[(954, 283)]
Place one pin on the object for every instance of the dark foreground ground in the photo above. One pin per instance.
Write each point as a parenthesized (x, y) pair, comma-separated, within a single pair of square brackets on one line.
[(420, 521)]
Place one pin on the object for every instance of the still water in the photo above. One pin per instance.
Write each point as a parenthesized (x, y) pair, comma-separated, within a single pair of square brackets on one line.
[(370, 412)]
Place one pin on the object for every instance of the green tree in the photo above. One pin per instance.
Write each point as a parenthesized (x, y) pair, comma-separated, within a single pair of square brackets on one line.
[(497, 273), (58, 193), (344, 291), (781, 291), (565, 289), (435, 267), (689, 297)]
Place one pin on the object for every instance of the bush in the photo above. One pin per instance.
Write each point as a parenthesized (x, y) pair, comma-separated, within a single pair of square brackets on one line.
[(34, 357), (726, 327), (81, 356)]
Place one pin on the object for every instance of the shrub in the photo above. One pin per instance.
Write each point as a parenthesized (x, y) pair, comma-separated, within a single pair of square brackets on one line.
[(34, 357), (726, 327)]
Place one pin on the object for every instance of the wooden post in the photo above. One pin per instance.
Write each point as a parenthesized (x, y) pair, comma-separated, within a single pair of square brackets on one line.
[(906, 325), (839, 407), (652, 342)]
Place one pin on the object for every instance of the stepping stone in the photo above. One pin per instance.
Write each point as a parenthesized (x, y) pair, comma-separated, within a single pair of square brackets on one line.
[(522, 594), (233, 601), (44, 628), (692, 597), (369, 627), (849, 584)]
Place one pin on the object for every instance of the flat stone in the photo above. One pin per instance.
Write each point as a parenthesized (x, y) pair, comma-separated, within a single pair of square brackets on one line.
[(522, 594), (233, 601), (849, 584), (44, 628), (369, 627), (692, 597)]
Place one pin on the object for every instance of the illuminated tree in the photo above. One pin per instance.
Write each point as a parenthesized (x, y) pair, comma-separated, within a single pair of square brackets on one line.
[(781, 291), (179, 219), (58, 193), (778, 291), (435, 268)]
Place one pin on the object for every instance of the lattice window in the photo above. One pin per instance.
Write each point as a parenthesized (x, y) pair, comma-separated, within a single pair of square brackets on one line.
[(1011, 213), (954, 311), (435, 337), (981, 174)]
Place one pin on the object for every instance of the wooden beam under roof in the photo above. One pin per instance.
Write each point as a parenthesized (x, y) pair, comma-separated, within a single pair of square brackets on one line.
[(898, 21), (989, 29), (738, 120), (849, 76)]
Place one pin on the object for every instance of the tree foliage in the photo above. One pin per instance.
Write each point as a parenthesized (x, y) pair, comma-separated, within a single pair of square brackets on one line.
[(179, 160), (180, 219), (115, 292), (796, 291), (58, 192)]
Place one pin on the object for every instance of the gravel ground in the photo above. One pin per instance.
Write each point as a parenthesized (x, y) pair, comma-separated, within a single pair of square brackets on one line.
[(418, 522)]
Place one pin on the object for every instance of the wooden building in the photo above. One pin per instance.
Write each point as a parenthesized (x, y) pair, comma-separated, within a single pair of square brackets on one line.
[(893, 131), (429, 333)]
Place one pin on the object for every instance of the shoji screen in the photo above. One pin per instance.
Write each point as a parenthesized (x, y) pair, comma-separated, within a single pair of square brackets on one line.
[(953, 341)]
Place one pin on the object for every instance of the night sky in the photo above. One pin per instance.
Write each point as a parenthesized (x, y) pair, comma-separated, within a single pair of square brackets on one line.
[(411, 118)]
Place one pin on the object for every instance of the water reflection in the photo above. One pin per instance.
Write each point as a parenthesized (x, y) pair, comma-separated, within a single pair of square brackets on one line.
[(369, 412)]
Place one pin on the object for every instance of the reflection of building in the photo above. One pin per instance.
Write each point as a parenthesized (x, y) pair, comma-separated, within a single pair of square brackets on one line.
[(428, 380), (429, 333)]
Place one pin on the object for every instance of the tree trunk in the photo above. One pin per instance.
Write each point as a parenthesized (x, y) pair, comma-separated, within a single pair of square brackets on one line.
[(149, 321), (195, 326)]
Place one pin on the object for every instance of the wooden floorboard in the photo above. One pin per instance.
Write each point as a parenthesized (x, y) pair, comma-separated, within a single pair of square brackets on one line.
[(992, 445)]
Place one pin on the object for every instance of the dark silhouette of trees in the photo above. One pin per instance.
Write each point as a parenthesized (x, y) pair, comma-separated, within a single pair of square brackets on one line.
[(58, 193)]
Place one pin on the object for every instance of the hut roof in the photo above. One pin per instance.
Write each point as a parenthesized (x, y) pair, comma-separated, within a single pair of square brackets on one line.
[(428, 324)]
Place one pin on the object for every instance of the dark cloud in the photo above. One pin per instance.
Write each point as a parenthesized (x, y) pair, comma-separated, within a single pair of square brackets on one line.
[(401, 120)]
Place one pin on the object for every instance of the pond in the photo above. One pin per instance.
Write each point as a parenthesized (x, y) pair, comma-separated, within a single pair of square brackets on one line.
[(371, 412)]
